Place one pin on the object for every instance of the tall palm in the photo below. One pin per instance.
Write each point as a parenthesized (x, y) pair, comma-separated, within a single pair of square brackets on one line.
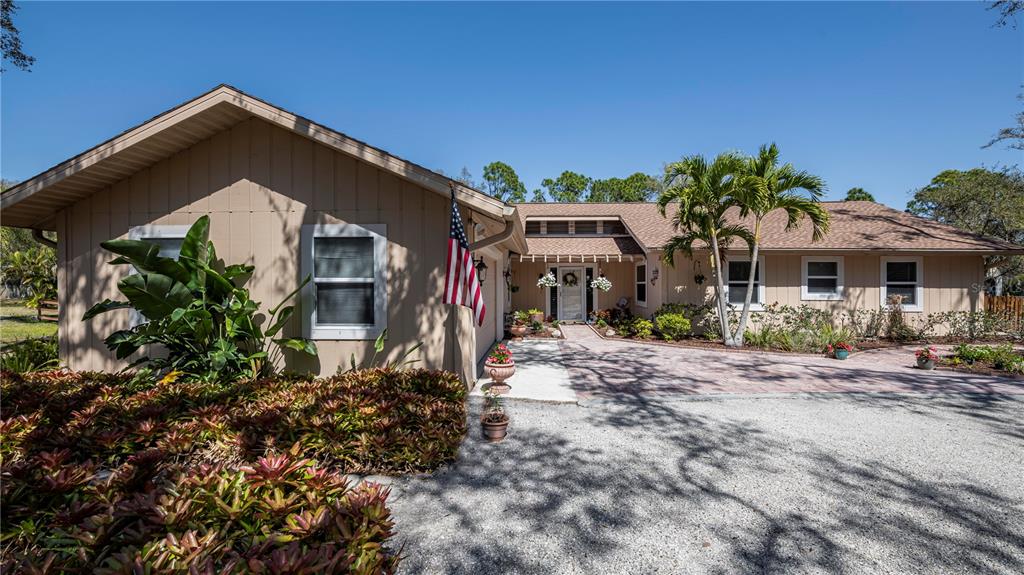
[(701, 194), (764, 186)]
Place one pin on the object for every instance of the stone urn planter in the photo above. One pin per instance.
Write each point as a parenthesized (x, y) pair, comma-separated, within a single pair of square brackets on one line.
[(537, 317), (518, 330), (926, 357), (499, 372), (925, 363)]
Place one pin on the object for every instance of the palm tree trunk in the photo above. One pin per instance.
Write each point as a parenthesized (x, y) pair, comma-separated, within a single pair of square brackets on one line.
[(722, 317), (738, 338)]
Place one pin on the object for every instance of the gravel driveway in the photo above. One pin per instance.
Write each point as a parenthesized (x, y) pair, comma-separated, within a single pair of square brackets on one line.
[(827, 483)]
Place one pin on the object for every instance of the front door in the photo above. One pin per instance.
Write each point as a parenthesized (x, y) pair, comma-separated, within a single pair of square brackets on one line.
[(570, 295)]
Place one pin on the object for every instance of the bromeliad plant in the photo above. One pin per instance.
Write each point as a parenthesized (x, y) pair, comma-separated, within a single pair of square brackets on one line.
[(198, 309), (501, 355)]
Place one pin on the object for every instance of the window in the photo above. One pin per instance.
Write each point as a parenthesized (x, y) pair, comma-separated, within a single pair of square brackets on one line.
[(641, 285), (822, 278), (737, 275), (533, 227), (558, 228), (614, 228), (169, 238), (585, 228), (903, 276), (347, 297)]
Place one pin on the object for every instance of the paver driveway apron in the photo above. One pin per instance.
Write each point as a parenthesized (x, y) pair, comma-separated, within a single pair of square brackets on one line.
[(610, 369)]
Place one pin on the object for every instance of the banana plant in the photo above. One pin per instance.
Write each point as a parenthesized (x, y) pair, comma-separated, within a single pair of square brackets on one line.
[(197, 309)]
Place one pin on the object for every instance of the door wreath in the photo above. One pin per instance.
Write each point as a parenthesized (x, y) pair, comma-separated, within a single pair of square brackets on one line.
[(570, 279)]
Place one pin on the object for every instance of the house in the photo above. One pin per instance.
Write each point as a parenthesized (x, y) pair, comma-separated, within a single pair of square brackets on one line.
[(286, 194), (871, 252), (275, 185)]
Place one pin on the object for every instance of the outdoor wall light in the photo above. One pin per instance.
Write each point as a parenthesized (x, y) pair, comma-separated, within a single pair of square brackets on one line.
[(481, 270), (654, 275)]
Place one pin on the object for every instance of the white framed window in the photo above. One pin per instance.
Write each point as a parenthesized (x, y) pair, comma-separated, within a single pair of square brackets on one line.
[(169, 238), (903, 276), (641, 284), (822, 278), (737, 274), (347, 297)]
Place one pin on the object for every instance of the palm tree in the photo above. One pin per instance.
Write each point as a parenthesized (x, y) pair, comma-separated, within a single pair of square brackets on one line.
[(764, 186), (701, 193)]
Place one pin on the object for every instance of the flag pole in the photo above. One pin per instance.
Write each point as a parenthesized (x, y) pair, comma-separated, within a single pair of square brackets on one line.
[(452, 309)]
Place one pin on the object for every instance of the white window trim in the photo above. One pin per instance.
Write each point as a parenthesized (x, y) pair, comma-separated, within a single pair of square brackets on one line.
[(639, 302), (805, 293), (754, 305), (152, 232), (918, 287), (380, 293)]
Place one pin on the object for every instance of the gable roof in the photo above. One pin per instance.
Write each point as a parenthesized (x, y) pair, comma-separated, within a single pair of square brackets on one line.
[(34, 202), (855, 226)]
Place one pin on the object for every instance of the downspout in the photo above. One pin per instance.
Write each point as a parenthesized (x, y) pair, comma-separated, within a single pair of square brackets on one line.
[(38, 236)]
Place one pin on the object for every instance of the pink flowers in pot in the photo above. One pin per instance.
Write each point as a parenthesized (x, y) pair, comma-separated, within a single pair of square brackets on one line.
[(927, 354), (501, 355)]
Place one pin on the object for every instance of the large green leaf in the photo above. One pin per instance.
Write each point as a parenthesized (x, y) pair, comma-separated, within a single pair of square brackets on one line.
[(282, 319), (194, 251), (145, 257), (154, 295), (298, 344), (105, 306), (124, 342)]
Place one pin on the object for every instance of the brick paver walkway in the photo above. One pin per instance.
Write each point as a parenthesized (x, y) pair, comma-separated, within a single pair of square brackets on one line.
[(600, 368)]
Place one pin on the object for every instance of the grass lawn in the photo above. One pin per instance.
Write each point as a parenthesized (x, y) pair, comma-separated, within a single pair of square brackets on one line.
[(18, 322)]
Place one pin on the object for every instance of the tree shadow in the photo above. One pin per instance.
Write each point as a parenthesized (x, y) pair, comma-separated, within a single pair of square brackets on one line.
[(642, 484)]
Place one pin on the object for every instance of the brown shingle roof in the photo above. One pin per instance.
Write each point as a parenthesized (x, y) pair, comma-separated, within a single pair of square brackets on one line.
[(856, 226)]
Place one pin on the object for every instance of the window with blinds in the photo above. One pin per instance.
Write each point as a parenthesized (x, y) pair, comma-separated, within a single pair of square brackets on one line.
[(347, 265)]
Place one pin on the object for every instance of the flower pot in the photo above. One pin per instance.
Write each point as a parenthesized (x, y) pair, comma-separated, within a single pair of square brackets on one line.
[(518, 330), (494, 430), (842, 354), (499, 372), (925, 363), (537, 317)]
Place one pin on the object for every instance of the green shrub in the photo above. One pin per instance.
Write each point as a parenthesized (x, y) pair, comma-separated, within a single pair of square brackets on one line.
[(35, 269), (30, 355), (641, 328), (1002, 357), (672, 326), (198, 310)]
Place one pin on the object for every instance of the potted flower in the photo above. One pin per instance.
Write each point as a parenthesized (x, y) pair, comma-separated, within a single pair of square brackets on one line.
[(493, 420), (547, 281), (500, 366), (602, 283), (840, 350), (536, 315), (519, 320), (926, 357)]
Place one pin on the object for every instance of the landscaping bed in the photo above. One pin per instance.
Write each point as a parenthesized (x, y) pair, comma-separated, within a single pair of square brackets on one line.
[(997, 360), (105, 473)]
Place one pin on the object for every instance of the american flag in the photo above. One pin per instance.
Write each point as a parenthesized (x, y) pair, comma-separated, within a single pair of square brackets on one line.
[(460, 285)]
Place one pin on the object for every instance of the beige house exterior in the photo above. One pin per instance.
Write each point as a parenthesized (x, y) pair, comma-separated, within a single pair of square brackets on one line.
[(277, 185), (871, 251), (267, 179)]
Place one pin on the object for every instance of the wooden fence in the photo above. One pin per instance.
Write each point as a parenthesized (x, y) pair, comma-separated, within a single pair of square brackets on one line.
[(1012, 306)]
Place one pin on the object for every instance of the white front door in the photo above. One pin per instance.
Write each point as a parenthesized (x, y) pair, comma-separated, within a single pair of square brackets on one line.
[(570, 297)]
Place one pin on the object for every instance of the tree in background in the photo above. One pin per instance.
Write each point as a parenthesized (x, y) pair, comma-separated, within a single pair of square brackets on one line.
[(10, 39), (1014, 135), (858, 195), (701, 193), (1007, 10), (987, 202), (567, 187), (639, 187), (466, 178), (538, 196), (765, 186), (502, 182)]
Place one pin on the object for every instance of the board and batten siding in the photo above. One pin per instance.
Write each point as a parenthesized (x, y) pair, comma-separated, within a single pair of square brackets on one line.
[(951, 282), (525, 274), (259, 184)]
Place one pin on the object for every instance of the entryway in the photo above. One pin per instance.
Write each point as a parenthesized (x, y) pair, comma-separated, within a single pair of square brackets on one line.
[(571, 294)]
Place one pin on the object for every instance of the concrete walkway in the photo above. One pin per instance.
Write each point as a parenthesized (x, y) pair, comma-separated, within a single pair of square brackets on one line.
[(614, 369), (541, 374)]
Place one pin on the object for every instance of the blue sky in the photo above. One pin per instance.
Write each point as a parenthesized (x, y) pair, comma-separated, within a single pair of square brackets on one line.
[(877, 95)]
